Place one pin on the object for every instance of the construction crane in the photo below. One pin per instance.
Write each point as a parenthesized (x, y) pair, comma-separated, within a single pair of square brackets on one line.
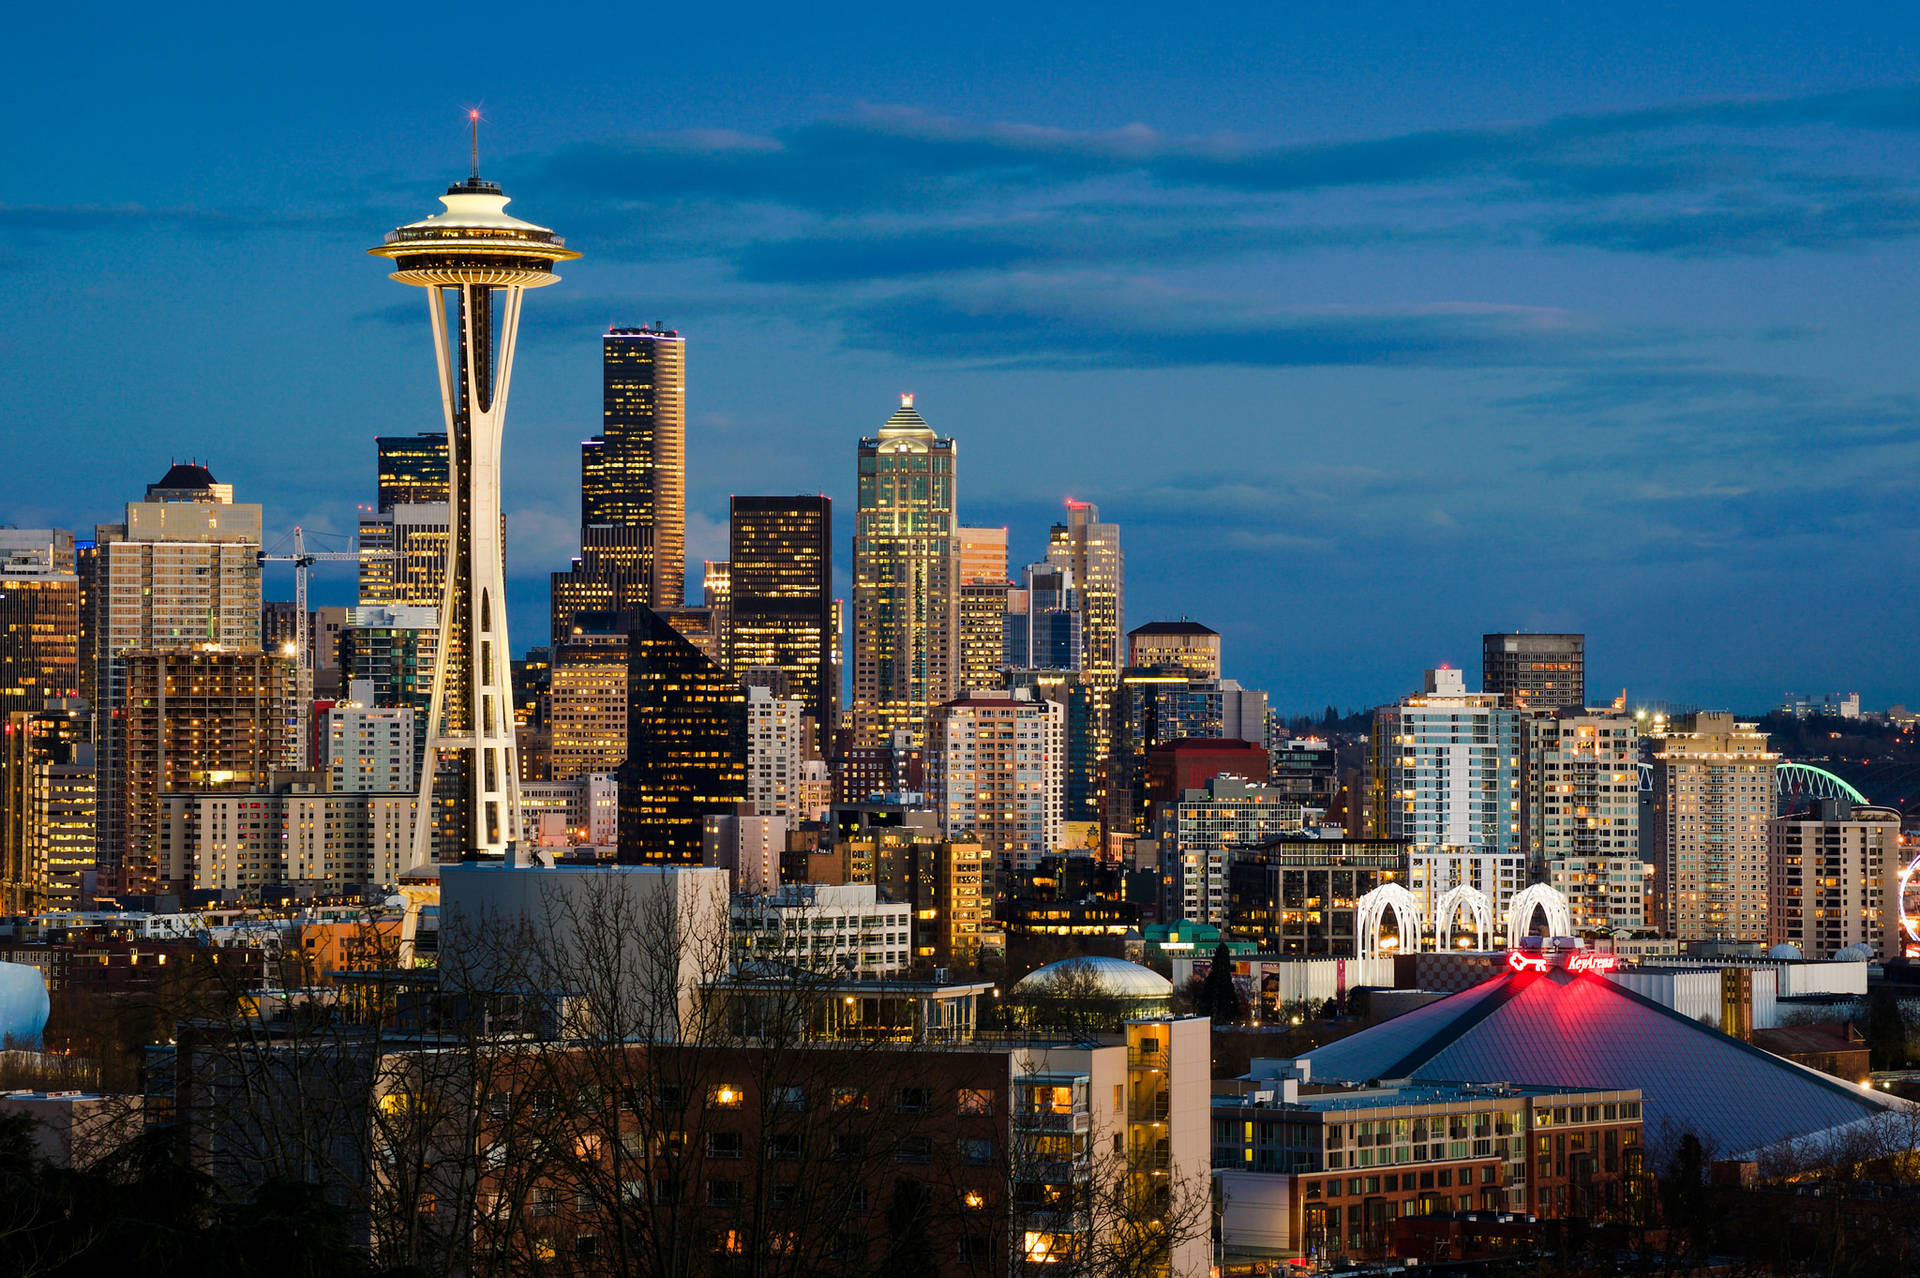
[(302, 559)]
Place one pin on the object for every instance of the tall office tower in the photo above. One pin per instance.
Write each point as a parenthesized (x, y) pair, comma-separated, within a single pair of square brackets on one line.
[(1713, 793), (982, 607), (686, 744), (60, 817), (39, 629), (199, 720), (181, 572), (1201, 830), (1582, 795), (30, 741), (776, 754), (1833, 878), (716, 591), (369, 747), (410, 566), (1181, 645), (1535, 672), (779, 599), (587, 697), (1153, 707), (633, 479), (906, 569), (464, 256), (1045, 627), (997, 768), (413, 470), (1090, 550), (1444, 770)]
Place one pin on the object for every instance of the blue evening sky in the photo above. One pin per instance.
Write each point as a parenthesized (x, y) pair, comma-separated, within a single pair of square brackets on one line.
[(1375, 326)]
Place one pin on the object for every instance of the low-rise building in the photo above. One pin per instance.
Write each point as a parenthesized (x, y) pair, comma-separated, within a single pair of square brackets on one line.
[(1299, 895), (845, 930)]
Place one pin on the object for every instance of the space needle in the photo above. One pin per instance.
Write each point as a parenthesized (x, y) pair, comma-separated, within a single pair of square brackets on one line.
[(475, 260)]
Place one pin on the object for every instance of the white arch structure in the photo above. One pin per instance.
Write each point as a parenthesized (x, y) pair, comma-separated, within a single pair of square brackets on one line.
[(1447, 908), (1371, 911), (1543, 896)]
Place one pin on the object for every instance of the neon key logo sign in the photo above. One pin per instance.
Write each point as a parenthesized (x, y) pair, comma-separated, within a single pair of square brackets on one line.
[(1577, 961)]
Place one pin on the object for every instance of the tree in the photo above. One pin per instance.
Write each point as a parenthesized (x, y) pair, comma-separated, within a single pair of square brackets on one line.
[(1219, 998), (1886, 1029)]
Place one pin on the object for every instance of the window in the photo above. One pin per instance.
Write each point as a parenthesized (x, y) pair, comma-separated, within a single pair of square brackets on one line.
[(976, 1100), (723, 1144), (790, 1100), (724, 1096), (723, 1193), (914, 1149), (978, 1153), (914, 1100), (849, 1098), (783, 1194), (847, 1147), (784, 1147)]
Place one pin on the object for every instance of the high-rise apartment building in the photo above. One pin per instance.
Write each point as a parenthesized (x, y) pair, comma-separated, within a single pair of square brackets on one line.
[(409, 563), (1582, 794), (369, 747), (686, 745), (1603, 893), (1829, 871), (181, 572), (36, 857), (906, 568), (198, 720), (1713, 794), (633, 482), (997, 770), (587, 696), (1444, 770), (265, 841), (1180, 645), (1535, 672), (413, 470), (1200, 832), (1432, 872), (776, 754), (982, 606), (779, 599), (39, 627)]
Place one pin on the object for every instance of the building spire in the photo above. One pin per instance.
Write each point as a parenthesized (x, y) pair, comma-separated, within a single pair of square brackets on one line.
[(473, 120)]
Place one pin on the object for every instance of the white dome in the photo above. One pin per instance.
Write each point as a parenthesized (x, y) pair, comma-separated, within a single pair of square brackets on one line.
[(1786, 952), (1854, 954), (1115, 977)]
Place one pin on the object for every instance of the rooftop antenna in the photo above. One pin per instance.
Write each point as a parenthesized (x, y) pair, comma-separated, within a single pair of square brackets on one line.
[(473, 120)]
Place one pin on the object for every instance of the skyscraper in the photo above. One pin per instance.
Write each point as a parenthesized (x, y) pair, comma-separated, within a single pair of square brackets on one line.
[(982, 607), (413, 469), (1044, 627), (182, 572), (778, 611), (1444, 770), (465, 255), (587, 691), (686, 744), (1582, 795), (39, 630), (1713, 794), (905, 579), (409, 565), (1535, 672), (997, 768), (1185, 644), (1090, 550), (1831, 871)]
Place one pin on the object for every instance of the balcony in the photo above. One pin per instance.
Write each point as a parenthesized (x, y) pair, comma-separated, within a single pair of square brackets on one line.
[(1048, 1121), (1149, 1109)]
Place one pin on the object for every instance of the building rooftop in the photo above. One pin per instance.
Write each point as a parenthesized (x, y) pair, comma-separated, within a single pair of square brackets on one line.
[(1180, 627), (186, 475), (1115, 977), (1405, 1095), (1578, 1029)]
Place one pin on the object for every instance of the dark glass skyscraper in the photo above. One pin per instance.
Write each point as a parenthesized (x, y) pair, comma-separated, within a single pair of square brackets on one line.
[(413, 469), (686, 744), (1535, 672), (781, 598)]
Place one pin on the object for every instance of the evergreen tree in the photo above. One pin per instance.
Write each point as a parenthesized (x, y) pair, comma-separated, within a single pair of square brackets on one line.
[(1219, 997)]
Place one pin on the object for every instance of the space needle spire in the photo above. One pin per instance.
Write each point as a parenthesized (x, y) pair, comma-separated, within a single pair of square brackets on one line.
[(476, 261)]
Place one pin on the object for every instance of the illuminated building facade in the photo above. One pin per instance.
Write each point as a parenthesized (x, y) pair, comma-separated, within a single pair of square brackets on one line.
[(1713, 794), (413, 470), (476, 261), (906, 568), (716, 591), (1156, 706), (410, 563), (778, 605), (1200, 832), (1044, 627), (39, 632), (996, 770), (1090, 551), (686, 745), (1535, 672), (633, 482), (1180, 645), (199, 720), (776, 754), (587, 697), (1582, 795), (1603, 893), (1299, 895), (1829, 871), (369, 747), (982, 607), (1444, 769), (35, 856), (182, 572), (265, 841)]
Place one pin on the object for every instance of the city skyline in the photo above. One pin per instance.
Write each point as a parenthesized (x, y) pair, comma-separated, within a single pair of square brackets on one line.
[(1615, 354)]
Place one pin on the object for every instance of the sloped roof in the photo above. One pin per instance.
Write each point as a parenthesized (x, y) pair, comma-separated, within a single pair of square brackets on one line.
[(1181, 627), (1582, 1030), (186, 475)]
